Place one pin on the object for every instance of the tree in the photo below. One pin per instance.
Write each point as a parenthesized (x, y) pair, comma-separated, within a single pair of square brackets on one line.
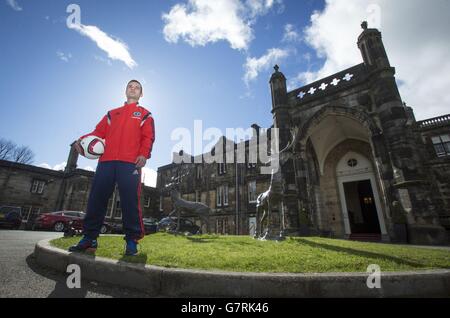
[(23, 154), (7, 148), (12, 152)]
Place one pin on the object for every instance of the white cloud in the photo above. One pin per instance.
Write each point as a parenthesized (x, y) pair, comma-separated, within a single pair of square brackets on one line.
[(200, 22), (261, 7), (64, 57), (60, 166), (103, 60), (300, 79), (254, 66), (114, 47), (57, 167), (13, 4), (290, 34), (149, 177), (416, 43), (45, 165)]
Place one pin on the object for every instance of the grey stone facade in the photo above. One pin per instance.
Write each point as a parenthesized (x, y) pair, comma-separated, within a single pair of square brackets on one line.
[(438, 161)]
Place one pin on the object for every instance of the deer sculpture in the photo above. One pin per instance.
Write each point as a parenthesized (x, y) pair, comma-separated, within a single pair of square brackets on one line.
[(274, 196), (198, 209), (182, 206)]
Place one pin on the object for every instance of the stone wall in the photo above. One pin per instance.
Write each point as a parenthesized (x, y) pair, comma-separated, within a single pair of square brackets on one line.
[(439, 166), (16, 181)]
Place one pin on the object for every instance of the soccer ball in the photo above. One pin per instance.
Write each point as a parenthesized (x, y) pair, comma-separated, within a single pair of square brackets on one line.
[(93, 147)]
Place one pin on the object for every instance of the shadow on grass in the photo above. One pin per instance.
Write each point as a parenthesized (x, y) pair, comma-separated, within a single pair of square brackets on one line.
[(220, 241), (208, 239), (200, 239), (365, 254)]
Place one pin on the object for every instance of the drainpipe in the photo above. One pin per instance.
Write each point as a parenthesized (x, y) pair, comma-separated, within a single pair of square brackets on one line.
[(62, 192)]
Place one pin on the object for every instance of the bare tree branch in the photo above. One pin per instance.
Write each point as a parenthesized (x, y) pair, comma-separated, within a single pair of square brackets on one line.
[(7, 148), (23, 154)]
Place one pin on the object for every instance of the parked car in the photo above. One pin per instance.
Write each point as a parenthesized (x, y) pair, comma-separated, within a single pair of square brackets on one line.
[(59, 221), (10, 217), (170, 224), (76, 225), (116, 227), (150, 226)]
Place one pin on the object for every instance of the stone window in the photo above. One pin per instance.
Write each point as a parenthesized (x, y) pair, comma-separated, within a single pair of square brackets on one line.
[(161, 203), (37, 186), (219, 196), (109, 208), (252, 191), (197, 196), (222, 195), (222, 226), (441, 145), (26, 211), (147, 202), (251, 160), (225, 194), (118, 212), (222, 168), (199, 171), (352, 163), (30, 213)]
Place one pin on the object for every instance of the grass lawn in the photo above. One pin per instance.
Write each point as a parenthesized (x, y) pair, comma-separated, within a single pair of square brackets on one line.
[(244, 254)]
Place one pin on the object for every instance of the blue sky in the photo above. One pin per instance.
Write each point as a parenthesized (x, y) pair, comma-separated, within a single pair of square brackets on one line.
[(57, 83)]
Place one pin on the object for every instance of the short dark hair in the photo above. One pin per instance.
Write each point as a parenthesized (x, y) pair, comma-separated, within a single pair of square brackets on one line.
[(135, 81)]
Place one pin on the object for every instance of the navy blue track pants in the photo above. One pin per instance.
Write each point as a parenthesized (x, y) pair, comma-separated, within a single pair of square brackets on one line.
[(128, 179)]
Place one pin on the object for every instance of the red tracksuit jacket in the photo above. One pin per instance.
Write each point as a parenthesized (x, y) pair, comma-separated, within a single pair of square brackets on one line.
[(129, 132)]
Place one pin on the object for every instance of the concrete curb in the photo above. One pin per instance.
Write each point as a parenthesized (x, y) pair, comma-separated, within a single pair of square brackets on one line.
[(160, 281)]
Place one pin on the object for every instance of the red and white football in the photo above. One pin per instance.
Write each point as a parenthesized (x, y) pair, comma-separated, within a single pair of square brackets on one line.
[(93, 147)]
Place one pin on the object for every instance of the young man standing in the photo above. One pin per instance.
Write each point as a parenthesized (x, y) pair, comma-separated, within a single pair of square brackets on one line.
[(129, 133)]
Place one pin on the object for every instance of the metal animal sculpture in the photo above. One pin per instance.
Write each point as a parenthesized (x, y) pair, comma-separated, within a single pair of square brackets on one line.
[(181, 205), (198, 209), (274, 196)]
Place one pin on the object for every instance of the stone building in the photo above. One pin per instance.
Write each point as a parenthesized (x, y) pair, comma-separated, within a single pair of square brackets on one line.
[(38, 190), (229, 187), (359, 152), (435, 133)]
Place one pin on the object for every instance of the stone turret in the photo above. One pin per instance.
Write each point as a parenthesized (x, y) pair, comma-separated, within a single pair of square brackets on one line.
[(372, 49), (412, 190), (72, 159), (282, 121)]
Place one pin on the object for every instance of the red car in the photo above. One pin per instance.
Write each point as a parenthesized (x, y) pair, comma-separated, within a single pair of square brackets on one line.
[(60, 221)]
